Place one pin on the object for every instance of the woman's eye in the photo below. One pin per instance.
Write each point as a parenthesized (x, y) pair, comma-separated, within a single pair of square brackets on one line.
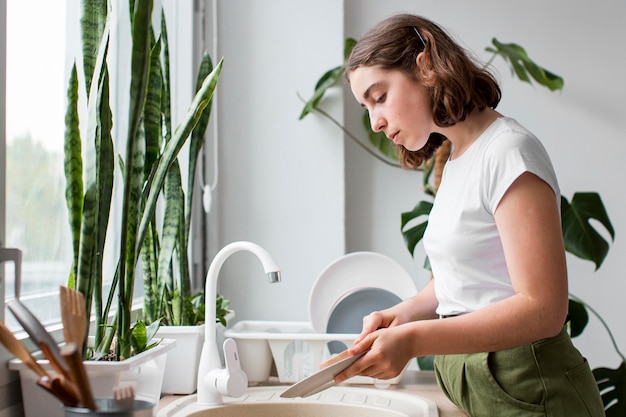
[(381, 99)]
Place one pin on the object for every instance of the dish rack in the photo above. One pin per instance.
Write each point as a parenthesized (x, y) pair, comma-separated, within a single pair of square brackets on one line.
[(293, 348)]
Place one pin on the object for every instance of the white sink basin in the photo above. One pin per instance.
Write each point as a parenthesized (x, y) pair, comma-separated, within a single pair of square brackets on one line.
[(337, 401)]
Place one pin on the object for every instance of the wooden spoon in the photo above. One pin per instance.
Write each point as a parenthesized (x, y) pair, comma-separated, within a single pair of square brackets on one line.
[(73, 316)]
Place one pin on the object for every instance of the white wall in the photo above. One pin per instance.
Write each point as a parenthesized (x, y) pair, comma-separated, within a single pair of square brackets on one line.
[(282, 180)]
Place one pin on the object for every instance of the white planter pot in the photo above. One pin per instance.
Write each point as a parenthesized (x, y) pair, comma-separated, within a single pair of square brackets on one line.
[(181, 369), (145, 371)]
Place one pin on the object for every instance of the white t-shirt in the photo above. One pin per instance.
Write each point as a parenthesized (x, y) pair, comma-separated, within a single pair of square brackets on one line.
[(462, 240)]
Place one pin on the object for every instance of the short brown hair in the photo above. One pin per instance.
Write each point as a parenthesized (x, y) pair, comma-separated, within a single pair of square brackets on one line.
[(456, 83)]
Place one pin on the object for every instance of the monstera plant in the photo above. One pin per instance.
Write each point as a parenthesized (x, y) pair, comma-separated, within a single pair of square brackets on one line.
[(149, 172), (581, 238)]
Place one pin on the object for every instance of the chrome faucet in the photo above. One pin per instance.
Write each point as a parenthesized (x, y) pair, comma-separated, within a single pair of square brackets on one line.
[(213, 381)]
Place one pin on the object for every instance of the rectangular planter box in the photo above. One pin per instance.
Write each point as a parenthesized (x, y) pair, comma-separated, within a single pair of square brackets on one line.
[(181, 369), (145, 371)]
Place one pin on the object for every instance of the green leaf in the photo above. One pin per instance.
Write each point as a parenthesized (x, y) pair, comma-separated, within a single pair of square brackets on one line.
[(612, 385), (172, 148), (328, 80), (524, 67), (197, 138), (426, 363), (73, 166), (92, 25), (578, 317), (152, 109), (413, 235), (347, 48), (174, 198), (139, 337), (581, 238)]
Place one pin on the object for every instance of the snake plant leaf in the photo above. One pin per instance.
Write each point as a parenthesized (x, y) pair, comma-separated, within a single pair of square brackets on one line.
[(149, 256), (90, 228), (152, 109), (134, 173), (172, 148), (523, 66), (92, 23), (174, 206), (105, 165), (414, 234), (73, 167), (581, 238), (380, 140), (166, 93), (612, 385), (578, 318), (197, 140)]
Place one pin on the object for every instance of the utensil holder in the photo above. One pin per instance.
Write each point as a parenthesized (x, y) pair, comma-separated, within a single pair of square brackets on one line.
[(107, 407)]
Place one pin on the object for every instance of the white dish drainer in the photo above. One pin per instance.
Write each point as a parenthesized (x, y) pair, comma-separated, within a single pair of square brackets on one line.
[(293, 348)]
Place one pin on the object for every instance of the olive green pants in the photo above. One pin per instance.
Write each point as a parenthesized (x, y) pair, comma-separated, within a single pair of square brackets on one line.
[(547, 378)]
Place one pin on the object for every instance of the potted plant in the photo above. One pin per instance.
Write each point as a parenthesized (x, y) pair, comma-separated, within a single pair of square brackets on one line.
[(581, 238), (150, 177)]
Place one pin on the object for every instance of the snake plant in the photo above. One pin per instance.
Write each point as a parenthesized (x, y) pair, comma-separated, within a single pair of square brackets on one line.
[(149, 170)]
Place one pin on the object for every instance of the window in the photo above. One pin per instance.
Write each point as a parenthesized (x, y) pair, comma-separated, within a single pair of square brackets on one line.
[(38, 64), (36, 217)]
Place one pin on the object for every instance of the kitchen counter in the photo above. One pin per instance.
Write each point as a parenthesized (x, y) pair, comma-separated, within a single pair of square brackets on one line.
[(420, 383)]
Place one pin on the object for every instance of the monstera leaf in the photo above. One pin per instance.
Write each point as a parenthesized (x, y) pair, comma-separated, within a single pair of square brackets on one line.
[(523, 67), (327, 80), (578, 317), (581, 239), (612, 385), (414, 234)]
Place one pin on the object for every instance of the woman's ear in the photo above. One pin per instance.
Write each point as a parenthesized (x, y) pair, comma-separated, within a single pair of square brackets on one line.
[(420, 60)]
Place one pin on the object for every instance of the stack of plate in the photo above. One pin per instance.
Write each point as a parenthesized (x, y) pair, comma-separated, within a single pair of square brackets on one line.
[(353, 286)]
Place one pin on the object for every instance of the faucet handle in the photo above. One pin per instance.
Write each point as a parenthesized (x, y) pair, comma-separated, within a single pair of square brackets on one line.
[(231, 381)]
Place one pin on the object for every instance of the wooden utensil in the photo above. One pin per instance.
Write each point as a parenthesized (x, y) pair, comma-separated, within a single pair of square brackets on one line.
[(61, 388), (17, 348), (36, 331), (79, 375), (57, 363), (74, 316)]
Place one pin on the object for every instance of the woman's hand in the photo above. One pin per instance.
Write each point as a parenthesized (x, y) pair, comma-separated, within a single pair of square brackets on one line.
[(374, 321), (389, 351)]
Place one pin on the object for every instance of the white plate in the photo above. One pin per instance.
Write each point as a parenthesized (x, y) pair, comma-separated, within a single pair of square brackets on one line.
[(354, 271), (320, 380), (347, 314)]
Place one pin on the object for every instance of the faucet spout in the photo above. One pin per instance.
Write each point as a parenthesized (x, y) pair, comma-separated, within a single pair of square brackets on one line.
[(273, 277), (210, 359)]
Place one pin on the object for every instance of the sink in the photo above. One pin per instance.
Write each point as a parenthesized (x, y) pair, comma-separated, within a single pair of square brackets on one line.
[(338, 401)]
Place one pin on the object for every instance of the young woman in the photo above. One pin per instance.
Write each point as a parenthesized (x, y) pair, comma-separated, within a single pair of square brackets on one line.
[(495, 310)]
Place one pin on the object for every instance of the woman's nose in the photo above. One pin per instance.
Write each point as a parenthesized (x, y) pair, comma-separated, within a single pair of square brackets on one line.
[(377, 122)]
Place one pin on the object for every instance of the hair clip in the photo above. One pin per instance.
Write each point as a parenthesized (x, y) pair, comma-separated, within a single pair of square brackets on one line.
[(419, 36)]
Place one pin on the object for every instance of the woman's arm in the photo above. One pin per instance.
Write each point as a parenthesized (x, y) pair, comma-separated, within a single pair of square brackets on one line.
[(529, 224), (419, 307)]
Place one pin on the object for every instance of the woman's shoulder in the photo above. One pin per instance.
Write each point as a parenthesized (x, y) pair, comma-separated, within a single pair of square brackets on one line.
[(509, 135)]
